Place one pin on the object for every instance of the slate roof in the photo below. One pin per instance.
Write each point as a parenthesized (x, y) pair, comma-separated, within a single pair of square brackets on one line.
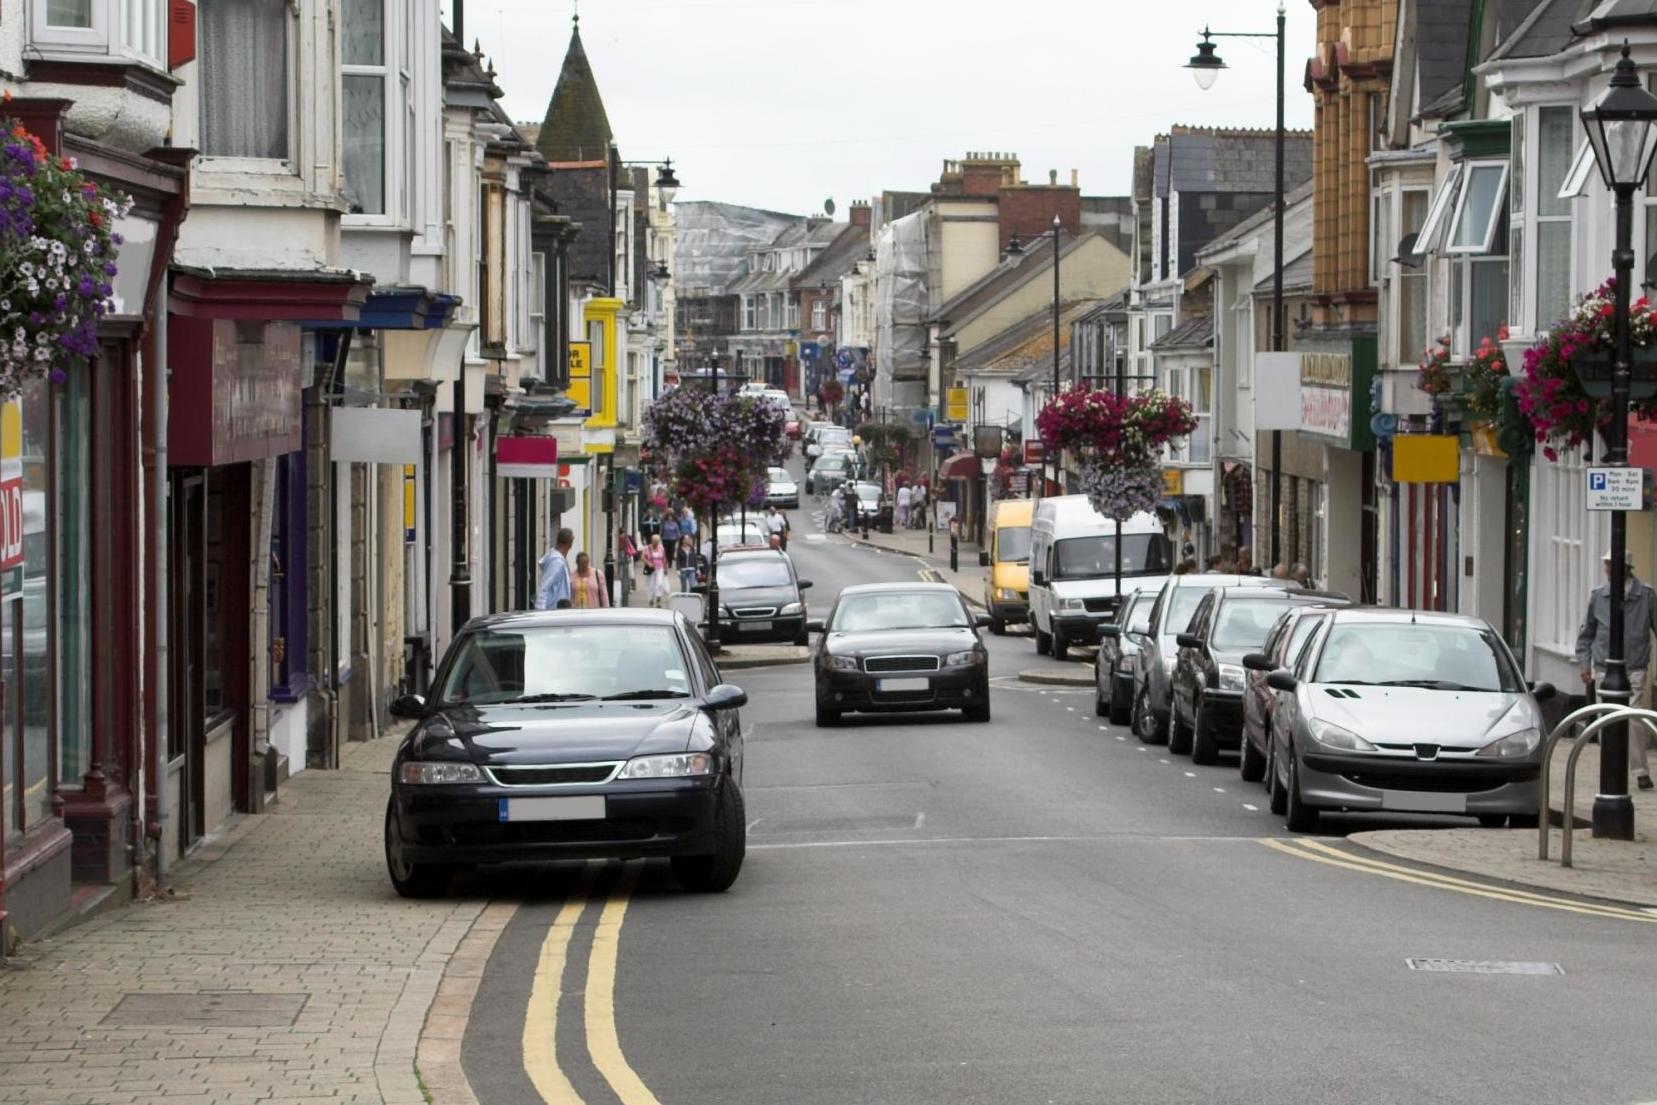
[(1014, 270), (1026, 344), (1441, 28), (1546, 30), (1218, 159), (576, 127), (1193, 333), (1297, 276), (1262, 218), (1619, 13), (849, 246)]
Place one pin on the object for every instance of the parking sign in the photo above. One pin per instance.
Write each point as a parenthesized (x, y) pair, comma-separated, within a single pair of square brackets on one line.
[(1616, 488)]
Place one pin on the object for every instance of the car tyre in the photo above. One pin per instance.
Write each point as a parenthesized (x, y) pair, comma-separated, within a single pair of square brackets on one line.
[(715, 873), (1145, 725), (979, 711), (998, 627), (1275, 799), (1120, 709), (1522, 821), (1179, 735), (827, 718), (411, 880), (1253, 765), (1060, 646), (1044, 643), (1298, 816), (1102, 706), (1204, 749)]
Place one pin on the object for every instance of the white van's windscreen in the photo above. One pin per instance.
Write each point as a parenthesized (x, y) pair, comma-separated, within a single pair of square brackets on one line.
[(1093, 557)]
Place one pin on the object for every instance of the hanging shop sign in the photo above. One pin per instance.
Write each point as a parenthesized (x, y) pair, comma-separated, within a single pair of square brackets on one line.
[(1426, 458), (235, 390), (374, 435), (526, 457), (955, 404), (581, 376), (11, 498), (1334, 396)]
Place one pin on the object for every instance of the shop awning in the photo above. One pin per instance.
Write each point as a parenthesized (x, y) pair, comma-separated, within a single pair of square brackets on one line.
[(305, 296), (396, 309), (961, 466)]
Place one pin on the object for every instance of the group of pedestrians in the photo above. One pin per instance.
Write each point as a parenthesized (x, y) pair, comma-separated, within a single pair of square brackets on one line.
[(563, 584)]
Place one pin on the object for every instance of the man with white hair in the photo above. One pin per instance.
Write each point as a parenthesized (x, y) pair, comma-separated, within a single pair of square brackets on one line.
[(1593, 645)]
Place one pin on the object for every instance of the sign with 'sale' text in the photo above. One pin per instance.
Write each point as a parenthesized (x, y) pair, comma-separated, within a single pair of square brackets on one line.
[(11, 497)]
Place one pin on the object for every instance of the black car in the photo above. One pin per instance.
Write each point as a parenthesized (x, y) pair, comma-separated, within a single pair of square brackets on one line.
[(901, 646), (830, 471), (759, 597), (567, 734), (1113, 667), (1206, 712)]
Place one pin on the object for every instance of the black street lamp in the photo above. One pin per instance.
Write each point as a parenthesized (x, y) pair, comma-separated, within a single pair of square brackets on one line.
[(1205, 66), (1619, 126), (1056, 469), (712, 635)]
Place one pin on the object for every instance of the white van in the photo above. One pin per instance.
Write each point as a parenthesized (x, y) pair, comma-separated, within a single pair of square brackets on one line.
[(1073, 568)]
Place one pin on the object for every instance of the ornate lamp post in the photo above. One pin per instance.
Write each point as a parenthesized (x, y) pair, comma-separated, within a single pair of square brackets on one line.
[(1620, 130), (1205, 66)]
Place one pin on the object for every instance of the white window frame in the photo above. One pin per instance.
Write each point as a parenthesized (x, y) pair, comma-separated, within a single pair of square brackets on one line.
[(282, 173), (792, 313), (750, 313), (390, 112), (1484, 239), (1433, 226), (819, 314), (135, 29), (1405, 357), (1535, 219)]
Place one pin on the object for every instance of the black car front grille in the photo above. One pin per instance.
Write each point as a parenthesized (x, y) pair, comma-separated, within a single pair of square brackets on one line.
[(532, 775), (565, 832), (900, 663), (1450, 782)]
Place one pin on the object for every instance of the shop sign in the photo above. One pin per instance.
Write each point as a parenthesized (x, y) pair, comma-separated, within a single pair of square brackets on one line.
[(1035, 452), (943, 437), (1018, 484), (1326, 394), (1426, 458), (526, 457), (374, 435), (955, 405), (581, 376), (1173, 482), (409, 522), (235, 390), (11, 498)]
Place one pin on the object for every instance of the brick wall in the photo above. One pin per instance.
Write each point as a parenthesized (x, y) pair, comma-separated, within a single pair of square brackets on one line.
[(1028, 212)]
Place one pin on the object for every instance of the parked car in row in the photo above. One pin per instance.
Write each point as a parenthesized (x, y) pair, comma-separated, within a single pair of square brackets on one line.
[(1206, 707), (894, 647), (1118, 652), (830, 471), (780, 488), (1283, 644)]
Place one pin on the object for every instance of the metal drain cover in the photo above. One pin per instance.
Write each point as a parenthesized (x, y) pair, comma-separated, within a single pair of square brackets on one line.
[(1484, 967), (223, 1010)]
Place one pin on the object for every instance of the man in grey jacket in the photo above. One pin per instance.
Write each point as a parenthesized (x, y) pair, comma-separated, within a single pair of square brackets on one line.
[(1593, 643)]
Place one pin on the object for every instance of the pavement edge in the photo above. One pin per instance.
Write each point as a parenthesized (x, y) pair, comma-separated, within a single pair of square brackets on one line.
[(1056, 678), (434, 1065)]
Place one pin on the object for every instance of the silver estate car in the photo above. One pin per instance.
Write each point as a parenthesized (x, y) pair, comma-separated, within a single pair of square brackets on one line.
[(1409, 711)]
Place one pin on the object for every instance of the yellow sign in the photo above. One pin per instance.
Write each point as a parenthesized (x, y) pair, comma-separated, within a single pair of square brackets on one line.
[(580, 391), (408, 504), (1426, 458), (1173, 481), (955, 405)]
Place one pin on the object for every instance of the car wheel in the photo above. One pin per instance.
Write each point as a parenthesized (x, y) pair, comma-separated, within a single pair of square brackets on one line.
[(1101, 704), (1144, 721), (1204, 750), (411, 880), (1275, 800), (1060, 646), (715, 873), (1298, 816), (1179, 736), (998, 627), (1253, 767), (827, 718), (1044, 643), (979, 711), (1120, 709)]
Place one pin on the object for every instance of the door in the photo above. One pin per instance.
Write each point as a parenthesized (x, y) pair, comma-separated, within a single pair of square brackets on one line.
[(186, 748)]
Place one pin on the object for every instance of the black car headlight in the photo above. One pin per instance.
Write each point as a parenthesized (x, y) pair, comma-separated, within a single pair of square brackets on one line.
[(441, 771), (842, 663), (964, 659), (678, 765)]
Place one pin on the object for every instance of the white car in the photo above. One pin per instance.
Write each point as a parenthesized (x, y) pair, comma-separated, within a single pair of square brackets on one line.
[(780, 489)]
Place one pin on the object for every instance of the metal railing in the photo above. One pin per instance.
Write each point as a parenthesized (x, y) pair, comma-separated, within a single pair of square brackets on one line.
[(1603, 714)]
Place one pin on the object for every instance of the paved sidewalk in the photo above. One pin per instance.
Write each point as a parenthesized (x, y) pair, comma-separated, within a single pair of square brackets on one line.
[(285, 971), (1614, 870)]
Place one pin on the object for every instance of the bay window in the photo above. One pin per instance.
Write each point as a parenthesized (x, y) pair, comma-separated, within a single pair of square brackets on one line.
[(245, 102), (1412, 280), (363, 77), (1556, 139), (1468, 223)]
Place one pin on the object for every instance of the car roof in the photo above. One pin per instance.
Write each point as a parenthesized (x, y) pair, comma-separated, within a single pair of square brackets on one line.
[(1389, 615), (892, 588), (609, 615), (1227, 579)]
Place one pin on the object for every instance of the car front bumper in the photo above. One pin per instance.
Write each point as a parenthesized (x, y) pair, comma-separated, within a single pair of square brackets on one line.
[(464, 825), (1222, 712), (858, 692), (1370, 782)]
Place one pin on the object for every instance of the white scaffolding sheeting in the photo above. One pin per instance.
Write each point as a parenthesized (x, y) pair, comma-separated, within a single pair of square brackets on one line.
[(901, 304), (712, 242)]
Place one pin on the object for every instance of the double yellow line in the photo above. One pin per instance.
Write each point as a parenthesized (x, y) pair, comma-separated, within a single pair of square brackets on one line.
[(1319, 852), (540, 1036)]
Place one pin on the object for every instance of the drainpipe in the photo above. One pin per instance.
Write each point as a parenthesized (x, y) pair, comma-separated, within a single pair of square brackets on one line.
[(319, 473)]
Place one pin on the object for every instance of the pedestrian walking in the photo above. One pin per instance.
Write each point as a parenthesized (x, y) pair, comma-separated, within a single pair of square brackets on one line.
[(656, 585), (669, 532), (684, 560), (687, 523), (554, 572), (587, 585), (905, 498), (1301, 574), (1593, 645), (777, 526)]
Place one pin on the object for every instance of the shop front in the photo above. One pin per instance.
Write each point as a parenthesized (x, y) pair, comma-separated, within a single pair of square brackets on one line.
[(1328, 497)]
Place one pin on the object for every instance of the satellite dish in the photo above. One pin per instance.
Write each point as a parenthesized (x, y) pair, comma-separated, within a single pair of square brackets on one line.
[(828, 207)]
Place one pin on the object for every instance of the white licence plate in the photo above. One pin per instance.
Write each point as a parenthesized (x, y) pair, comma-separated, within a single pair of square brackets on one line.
[(754, 625), (919, 683), (576, 808), (1421, 801)]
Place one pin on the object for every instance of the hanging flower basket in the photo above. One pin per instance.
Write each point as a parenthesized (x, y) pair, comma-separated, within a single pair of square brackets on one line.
[(1432, 374), (1119, 492), (718, 481), (57, 259), (1116, 430), (1550, 392), (1482, 379)]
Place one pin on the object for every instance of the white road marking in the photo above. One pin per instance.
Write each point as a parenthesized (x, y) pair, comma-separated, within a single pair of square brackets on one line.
[(1219, 790), (920, 819), (1251, 809), (1013, 840), (1072, 709), (1142, 748), (1188, 774), (754, 822), (1120, 737), (1162, 761)]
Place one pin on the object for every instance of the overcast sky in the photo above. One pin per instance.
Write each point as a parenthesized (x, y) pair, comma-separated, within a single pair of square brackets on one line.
[(785, 103)]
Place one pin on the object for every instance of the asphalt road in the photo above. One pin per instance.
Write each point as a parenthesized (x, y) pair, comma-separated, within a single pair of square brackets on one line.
[(1040, 910)]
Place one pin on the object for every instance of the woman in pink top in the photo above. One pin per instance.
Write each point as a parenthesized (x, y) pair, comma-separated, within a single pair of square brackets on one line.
[(655, 571), (587, 588)]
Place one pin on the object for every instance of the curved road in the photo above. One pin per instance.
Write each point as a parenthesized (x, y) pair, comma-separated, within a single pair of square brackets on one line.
[(1040, 910)]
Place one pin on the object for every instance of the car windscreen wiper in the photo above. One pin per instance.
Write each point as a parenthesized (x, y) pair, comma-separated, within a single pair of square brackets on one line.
[(1433, 684), (648, 693), (550, 696)]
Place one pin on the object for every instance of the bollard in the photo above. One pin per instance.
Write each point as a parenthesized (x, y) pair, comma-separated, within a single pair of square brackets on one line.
[(954, 553)]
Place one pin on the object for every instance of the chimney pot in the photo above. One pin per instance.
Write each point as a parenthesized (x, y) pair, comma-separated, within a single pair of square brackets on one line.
[(1075, 178), (1052, 177)]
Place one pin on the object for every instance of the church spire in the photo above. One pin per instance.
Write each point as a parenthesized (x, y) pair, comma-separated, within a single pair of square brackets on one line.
[(576, 127)]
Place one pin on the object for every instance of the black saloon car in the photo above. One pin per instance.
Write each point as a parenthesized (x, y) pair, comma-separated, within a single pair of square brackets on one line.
[(760, 597), (901, 646), (1209, 677), (570, 734)]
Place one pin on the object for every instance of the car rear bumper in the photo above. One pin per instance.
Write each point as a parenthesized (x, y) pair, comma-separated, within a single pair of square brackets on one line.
[(742, 630), (463, 825), (1011, 612), (857, 692), (1363, 782)]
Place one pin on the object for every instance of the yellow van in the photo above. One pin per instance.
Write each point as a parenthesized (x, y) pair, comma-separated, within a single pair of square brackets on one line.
[(1006, 563)]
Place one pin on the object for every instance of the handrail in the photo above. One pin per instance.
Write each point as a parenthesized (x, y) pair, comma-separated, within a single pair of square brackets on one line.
[(1547, 756), (1613, 714)]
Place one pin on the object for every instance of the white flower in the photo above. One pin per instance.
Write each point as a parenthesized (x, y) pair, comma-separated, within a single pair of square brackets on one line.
[(43, 354), (51, 285), (59, 250), (26, 268), (42, 338)]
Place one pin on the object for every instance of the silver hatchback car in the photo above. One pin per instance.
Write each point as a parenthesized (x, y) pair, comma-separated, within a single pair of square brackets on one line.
[(1406, 711)]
